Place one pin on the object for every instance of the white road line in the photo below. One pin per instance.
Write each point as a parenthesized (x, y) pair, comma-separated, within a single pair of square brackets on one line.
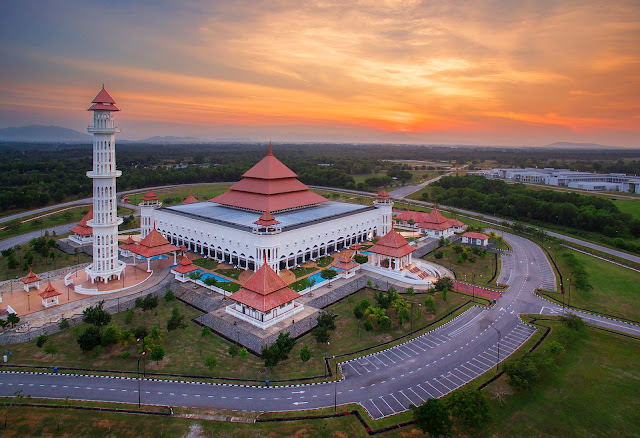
[(418, 395), (385, 402), (374, 405)]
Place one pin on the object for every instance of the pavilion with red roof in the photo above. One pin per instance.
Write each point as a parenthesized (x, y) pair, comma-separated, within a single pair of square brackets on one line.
[(183, 269), (83, 233), (190, 199), (347, 265), (473, 238), (264, 299), (269, 186), (50, 296), (391, 251), (152, 247), (432, 224), (31, 280)]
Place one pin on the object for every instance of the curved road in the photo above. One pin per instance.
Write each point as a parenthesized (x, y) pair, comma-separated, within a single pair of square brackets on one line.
[(384, 383)]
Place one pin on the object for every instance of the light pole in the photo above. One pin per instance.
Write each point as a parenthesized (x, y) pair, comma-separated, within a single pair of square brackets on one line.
[(335, 388), (569, 304), (139, 392), (473, 286), (498, 356)]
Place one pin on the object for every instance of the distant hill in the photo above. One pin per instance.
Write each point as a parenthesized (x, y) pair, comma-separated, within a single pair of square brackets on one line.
[(171, 139), (570, 145), (43, 134)]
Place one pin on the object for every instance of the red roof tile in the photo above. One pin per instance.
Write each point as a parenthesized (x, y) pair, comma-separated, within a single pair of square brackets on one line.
[(473, 235), (103, 101), (383, 195), (150, 196), (345, 262), (31, 277), (267, 220), (269, 185), (190, 199), (49, 292), (392, 244), (152, 245), (185, 266), (82, 229)]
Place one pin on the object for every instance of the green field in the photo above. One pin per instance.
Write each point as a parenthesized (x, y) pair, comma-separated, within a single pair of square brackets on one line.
[(629, 206), (616, 290), (176, 195), (40, 264), (480, 271)]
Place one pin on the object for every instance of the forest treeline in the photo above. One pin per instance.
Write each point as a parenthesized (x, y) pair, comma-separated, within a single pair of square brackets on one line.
[(520, 203)]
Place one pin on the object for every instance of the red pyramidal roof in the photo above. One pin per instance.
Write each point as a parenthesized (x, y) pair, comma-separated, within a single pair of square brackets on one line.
[(150, 196), (50, 292), (264, 291), (82, 229), (269, 185), (392, 244), (383, 195), (31, 277), (267, 220), (152, 245), (474, 235), (345, 262), (185, 266), (103, 101), (190, 199)]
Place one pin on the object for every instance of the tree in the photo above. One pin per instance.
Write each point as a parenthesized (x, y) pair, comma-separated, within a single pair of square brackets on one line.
[(278, 351), (206, 331), (327, 319), (176, 320), (169, 296), (305, 353), (110, 336), (368, 326), (157, 353), (147, 303), (210, 281), (328, 274), (234, 350), (40, 340), (96, 315), (89, 338), (470, 406), (244, 353), (210, 362), (444, 284), (321, 334), (433, 417), (13, 319), (430, 305)]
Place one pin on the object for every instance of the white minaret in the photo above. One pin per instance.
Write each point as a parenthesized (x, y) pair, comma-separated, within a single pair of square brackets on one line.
[(106, 264), (385, 204), (150, 202)]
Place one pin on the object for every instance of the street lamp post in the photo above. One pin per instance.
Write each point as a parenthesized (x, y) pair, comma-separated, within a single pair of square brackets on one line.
[(473, 286), (335, 388), (139, 391), (569, 304), (498, 355)]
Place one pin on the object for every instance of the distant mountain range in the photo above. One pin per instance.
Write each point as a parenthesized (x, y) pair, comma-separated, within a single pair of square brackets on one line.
[(58, 134)]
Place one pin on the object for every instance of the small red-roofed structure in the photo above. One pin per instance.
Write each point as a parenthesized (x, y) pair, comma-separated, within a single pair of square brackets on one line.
[(152, 246), (264, 299), (348, 266), (267, 224), (82, 232), (103, 102), (183, 269), (391, 251), (269, 186), (150, 196), (126, 245), (50, 296), (356, 247), (478, 239), (31, 280), (433, 224), (383, 195), (190, 199)]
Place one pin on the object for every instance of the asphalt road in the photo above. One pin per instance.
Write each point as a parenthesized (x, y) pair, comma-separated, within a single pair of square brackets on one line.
[(384, 383)]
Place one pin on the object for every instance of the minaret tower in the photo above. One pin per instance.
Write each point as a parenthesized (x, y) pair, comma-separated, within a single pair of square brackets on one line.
[(385, 204), (106, 265), (150, 202)]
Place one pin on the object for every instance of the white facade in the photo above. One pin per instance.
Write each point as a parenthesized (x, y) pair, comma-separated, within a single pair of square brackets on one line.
[(81, 240), (106, 264), (146, 216), (292, 246), (264, 320)]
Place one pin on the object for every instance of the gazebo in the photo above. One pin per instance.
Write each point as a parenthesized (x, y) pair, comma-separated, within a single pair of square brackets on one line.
[(152, 247), (264, 299), (50, 296), (183, 269), (126, 245), (392, 251), (356, 247), (348, 266), (31, 280), (83, 233)]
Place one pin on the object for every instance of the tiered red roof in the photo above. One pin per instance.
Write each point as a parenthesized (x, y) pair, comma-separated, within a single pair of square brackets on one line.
[(127, 244), (185, 266), (82, 229), (433, 220), (49, 292), (103, 101), (150, 196), (264, 291), (267, 220), (474, 235), (392, 244), (152, 245), (383, 195), (356, 246), (345, 262), (31, 277), (269, 186), (190, 199)]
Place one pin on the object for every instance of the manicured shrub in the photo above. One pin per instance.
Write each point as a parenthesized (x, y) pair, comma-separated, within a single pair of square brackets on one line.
[(40, 340)]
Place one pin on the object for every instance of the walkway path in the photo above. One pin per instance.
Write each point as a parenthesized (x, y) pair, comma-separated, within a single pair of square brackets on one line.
[(385, 383), (404, 191)]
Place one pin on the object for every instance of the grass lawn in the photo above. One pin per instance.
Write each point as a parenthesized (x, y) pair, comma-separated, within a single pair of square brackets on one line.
[(186, 349), (210, 264), (325, 261), (40, 264), (301, 272), (616, 290), (480, 271), (228, 286), (630, 206), (69, 216), (231, 273), (594, 393), (175, 195)]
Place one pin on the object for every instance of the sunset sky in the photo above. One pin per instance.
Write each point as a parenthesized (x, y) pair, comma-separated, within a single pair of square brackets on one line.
[(476, 72)]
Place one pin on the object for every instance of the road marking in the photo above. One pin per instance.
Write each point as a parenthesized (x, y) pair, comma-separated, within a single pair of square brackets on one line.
[(423, 400), (374, 405), (385, 402)]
